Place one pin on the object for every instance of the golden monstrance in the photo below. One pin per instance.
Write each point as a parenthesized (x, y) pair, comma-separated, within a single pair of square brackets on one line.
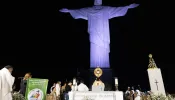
[(98, 72)]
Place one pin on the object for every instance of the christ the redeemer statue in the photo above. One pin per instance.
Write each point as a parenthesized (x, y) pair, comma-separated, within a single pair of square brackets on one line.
[(98, 28)]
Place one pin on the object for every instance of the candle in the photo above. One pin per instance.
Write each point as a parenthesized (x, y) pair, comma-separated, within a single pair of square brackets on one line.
[(74, 81), (116, 80)]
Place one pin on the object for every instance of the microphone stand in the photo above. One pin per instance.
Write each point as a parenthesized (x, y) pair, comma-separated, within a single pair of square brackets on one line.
[(21, 79)]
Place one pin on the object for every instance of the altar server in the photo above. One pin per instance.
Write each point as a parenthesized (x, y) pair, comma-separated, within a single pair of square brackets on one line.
[(6, 83)]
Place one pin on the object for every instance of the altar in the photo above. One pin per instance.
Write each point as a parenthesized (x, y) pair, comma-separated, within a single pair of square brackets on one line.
[(91, 95)]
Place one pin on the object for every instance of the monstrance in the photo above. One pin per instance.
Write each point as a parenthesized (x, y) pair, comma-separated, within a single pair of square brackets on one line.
[(98, 72)]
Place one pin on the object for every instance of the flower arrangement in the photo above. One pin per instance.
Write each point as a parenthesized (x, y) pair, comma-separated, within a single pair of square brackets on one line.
[(170, 97), (161, 97), (18, 96)]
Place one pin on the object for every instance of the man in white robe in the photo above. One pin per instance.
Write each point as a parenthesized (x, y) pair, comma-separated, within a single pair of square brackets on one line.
[(6, 83), (82, 87)]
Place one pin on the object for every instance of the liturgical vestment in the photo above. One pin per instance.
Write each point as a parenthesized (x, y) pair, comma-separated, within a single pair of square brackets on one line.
[(6, 83)]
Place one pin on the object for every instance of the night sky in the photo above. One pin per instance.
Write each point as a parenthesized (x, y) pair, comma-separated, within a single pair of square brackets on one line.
[(36, 37)]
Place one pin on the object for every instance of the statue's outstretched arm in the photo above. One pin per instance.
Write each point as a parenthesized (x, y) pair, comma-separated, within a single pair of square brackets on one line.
[(120, 11), (64, 10), (117, 11), (76, 13), (134, 5)]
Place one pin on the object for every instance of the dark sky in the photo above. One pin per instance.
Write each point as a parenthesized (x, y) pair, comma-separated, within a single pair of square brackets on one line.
[(36, 37)]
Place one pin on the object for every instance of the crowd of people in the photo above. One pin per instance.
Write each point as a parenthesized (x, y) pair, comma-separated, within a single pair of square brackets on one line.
[(132, 94), (58, 91)]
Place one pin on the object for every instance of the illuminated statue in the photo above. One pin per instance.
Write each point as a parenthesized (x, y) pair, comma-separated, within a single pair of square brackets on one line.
[(98, 28), (152, 63)]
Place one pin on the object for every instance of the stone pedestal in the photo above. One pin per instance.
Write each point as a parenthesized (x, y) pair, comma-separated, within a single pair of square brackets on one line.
[(107, 79), (156, 81)]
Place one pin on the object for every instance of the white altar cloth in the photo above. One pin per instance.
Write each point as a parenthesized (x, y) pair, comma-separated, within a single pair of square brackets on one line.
[(90, 95)]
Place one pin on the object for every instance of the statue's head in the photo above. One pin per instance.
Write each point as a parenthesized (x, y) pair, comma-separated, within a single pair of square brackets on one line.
[(150, 55), (97, 2)]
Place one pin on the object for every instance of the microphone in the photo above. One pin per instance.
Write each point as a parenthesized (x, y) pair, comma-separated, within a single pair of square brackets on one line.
[(20, 77)]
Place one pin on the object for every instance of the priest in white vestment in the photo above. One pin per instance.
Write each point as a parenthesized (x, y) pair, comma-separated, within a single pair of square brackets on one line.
[(98, 85), (6, 83), (82, 87)]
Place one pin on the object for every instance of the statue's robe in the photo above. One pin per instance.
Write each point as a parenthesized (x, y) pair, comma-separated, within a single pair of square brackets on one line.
[(98, 29)]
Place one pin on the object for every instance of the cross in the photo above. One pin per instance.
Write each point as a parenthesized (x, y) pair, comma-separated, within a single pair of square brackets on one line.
[(156, 84)]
